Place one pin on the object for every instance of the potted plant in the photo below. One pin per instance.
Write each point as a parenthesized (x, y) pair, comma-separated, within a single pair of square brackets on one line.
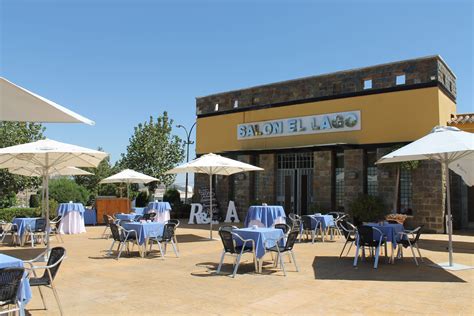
[(366, 208)]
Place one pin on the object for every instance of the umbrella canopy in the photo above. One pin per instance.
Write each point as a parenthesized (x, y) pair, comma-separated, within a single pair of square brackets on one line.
[(21, 105), (454, 149), (49, 156), (129, 176), (38, 172), (213, 164)]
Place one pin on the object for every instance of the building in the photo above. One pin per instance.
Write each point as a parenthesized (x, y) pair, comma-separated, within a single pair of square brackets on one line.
[(318, 139)]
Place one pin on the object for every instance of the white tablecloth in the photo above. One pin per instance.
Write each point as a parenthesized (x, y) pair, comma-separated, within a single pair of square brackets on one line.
[(72, 223)]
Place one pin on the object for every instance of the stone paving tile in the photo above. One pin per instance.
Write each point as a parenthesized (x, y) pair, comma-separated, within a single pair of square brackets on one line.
[(90, 283)]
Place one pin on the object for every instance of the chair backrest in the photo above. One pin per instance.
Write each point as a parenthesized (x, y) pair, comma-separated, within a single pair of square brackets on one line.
[(227, 241), (106, 220), (285, 228), (291, 239), (56, 254), (289, 221), (307, 221), (168, 231), (116, 235), (40, 225), (10, 279), (148, 216), (417, 235), (293, 216), (391, 221), (228, 228), (174, 221), (347, 228), (367, 236)]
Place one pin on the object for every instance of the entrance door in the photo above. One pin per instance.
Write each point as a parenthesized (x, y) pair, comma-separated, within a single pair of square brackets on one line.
[(294, 182)]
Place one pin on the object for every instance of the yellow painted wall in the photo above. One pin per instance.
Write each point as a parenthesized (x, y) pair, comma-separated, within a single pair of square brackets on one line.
[(385, 118)]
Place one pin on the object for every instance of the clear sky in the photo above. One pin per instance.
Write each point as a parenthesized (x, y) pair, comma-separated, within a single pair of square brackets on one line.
[(118, 62)]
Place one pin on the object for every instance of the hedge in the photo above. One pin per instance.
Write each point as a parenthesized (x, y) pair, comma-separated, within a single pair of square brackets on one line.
[(7, 214)]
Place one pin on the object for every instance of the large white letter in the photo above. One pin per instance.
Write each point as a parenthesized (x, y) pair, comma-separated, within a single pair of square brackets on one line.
[(231, 212)]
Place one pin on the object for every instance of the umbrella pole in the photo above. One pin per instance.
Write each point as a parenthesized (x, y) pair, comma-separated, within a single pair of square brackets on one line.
[(46, 175), (449, 216), (210, 205)]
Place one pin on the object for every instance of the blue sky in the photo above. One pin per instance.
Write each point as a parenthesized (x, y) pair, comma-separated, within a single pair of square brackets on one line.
[(118, 62)]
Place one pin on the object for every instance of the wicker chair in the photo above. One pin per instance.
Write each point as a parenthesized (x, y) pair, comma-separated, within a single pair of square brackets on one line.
[(308, 228), (107, 220), (166, 238), (284, 227), (349, 231), (10, 279), (38, 232), (177, 222), (123, 237), (405, 241), (230, 248), (55, 258), (288, 248), (372, 237), (54, 228)]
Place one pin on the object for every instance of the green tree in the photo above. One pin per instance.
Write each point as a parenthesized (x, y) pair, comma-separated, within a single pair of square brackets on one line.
[(153, 150), (64, 190), (15, 133), (91, 182)]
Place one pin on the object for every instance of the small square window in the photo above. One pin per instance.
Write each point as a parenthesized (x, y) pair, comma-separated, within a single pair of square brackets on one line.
[(236, 104), (216, 107), (400, 79), (368, 84)]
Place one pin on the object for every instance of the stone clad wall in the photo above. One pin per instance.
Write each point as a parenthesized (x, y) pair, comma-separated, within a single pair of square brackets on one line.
[(387, 180), (323, 179), (353, 175), (266, 179), (429, 196), (417, 71), (242, 189)]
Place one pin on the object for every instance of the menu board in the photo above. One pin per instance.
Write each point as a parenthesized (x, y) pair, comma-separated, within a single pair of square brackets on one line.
[(205, 201)]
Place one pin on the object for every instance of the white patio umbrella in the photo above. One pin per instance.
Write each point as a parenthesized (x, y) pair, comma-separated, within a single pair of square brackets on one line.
[(21, 105), (213, 164), (454, 149), (50, 157), (129, 176)]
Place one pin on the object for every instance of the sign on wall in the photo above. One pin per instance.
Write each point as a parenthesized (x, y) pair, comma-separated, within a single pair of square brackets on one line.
[(312, 124)]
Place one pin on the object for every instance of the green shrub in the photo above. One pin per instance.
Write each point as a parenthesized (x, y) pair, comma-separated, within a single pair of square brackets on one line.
[(34, 200), (53, 208), (7, 200), (142, 199), (7, 214), (64, 190), (367, 208), (172, 196)]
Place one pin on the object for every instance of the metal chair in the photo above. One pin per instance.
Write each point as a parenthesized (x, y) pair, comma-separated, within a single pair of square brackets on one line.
[(367, 238), (123, 237), (166, 238), (288, 248), (176, 222), (107, 220), (349, 231), (10, 279), (228, 228), (230, 248), (54, 228), (308, 228), (405, 241), (55, 258), (284, 227), (148, 216), (38, 232)]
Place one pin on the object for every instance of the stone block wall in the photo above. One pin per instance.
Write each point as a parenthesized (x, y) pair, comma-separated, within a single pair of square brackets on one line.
[(387, 180), (242, 187), (353, 175), (417, 71), (429, 196), (323, 179), (266, 179)]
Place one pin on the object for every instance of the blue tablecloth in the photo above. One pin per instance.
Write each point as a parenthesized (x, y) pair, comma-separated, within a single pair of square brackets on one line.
[(90, 217), (144, 230), (265, 214), (126, 217), (390, 231), (23, 223), (157, 207), (65, 208), (260, 236), (138, 210), (325, 220), (24, 292)]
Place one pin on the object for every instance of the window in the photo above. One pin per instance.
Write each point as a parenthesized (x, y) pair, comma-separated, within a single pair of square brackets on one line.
[(368, 84), (339, 175), (406, 193), (400, 79), (236, 104), (372, 183), (216, 107)]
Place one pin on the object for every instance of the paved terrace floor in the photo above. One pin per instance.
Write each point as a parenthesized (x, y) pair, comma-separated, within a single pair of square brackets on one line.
[(89, 283)]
